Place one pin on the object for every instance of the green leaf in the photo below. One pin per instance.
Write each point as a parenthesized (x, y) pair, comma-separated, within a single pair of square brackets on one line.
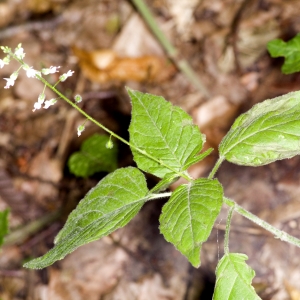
[(110, 205), (3, 225), (189, 215), (165, 183), (290, 50), (234, 278), (198, 158), (269, 131), (164, 131), (93, 157)]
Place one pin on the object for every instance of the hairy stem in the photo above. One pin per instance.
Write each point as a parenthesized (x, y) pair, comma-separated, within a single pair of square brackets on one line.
[(159, 196), (227, 231), (215, 168), (171, 51), (283, 236), (143, 152)]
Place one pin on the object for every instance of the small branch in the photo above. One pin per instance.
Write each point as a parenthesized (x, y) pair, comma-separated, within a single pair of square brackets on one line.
[(171, 51), (20, 235), (283, 236), (227, 231), (32, 26)]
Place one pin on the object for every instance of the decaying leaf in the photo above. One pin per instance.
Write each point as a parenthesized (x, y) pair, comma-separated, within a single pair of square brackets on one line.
[(105, 65)]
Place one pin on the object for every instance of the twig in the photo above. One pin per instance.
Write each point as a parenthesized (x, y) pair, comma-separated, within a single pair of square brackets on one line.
[(32, 26), (233, 35), (171, 51), (20, 235)]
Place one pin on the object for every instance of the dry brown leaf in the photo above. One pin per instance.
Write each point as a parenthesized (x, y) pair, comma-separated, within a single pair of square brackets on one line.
[(105, 65), (292, 291)]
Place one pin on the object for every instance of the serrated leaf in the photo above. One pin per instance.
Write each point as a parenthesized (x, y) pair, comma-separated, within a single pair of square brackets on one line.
[(110, 205), (189, 215), (164, 131), (269, 131), (289, 50), (234, 278), (3, 225), (93, 157)]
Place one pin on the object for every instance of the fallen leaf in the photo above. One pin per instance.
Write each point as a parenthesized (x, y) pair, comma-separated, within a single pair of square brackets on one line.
[(105, 65)]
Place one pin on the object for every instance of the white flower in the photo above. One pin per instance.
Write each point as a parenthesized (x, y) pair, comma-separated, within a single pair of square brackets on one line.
[(30, 72), (3, 62), (19, 52), (38, 104), (50, 102), (11, 80), (51, 70), (80, 128), (78, 99), (63, 77)]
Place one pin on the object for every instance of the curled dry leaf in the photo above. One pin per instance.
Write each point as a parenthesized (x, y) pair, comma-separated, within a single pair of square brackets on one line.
[(105, 65)]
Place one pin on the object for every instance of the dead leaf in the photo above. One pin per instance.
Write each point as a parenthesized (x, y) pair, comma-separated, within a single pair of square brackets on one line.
[(292, 291), (105, 65)]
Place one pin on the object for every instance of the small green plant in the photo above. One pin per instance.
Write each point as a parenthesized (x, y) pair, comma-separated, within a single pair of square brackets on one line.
[(3, 225), (97, 154), (165, 143), (289, 50)]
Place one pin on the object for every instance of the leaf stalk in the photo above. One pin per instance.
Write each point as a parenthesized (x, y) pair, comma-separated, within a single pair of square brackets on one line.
[(278, 234)]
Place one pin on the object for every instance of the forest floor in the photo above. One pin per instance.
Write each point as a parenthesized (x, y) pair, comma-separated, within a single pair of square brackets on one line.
[(109, 46)]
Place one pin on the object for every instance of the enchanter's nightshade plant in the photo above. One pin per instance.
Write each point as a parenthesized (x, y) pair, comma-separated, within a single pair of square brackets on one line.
[(165, 143)]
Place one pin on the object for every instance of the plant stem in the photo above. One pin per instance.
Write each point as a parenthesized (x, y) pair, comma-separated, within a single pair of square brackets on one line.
[(21, 234), (215, 168), (283, 236), (227, 231), (171, 51), (159, 196), (143, 152)]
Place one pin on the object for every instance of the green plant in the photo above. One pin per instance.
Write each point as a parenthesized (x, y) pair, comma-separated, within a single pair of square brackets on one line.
[(165, 143), (97, 153), (289, 50), (3, 225)]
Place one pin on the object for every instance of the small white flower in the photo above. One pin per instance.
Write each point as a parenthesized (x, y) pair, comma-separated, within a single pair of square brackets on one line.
[(4, 62), (78, 99), (51, 70), (50, 102), (19, 52), (63, 77), (80, 128), (11, 80), (38, 104), (30, 72)]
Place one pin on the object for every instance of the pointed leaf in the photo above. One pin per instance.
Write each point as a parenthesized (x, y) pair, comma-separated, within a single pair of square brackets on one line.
[(289, 50), (269, 131), (188, 217), (114, 201), (198, 158), (93, 157), (234, 278), (164, 131), (3, 225)]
